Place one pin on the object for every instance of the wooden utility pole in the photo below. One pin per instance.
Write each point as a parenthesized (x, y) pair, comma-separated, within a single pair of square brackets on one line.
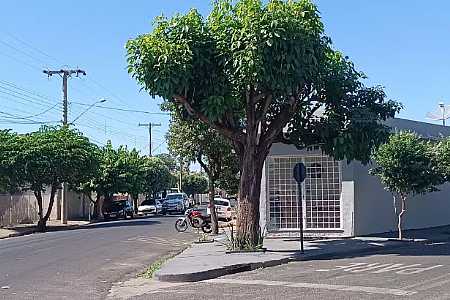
[(65, 74), (149, 125)]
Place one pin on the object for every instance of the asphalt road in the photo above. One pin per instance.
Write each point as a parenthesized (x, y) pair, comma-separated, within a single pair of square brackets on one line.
[(419, 272), (83, 263)]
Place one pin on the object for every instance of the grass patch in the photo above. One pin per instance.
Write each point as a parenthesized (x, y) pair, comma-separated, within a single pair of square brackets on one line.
[(155, 266)]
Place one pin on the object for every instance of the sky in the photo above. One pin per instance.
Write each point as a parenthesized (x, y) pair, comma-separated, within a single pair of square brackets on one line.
[(402, 45)]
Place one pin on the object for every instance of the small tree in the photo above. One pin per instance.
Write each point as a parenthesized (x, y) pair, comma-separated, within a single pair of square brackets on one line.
[(134, 175), (195, 183), (407, 166), (157, 177), (196, 141), (111, 176)]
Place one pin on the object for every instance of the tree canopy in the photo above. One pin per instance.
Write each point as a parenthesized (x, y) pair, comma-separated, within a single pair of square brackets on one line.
[(195, 183), (45, 159)]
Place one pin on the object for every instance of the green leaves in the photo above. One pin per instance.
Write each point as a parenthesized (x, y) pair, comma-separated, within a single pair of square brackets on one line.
[(47, 157), (195, 183), (194, 141), (406, 164)]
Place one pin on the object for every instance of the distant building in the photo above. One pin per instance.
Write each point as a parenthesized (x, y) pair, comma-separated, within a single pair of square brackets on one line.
[(341, 199)]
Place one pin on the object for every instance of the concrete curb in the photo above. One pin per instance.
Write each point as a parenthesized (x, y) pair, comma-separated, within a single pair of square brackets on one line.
[(238, 268), (32, 231)]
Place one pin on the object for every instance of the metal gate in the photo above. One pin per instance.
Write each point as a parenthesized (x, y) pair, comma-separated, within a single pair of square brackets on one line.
[(320, 198)]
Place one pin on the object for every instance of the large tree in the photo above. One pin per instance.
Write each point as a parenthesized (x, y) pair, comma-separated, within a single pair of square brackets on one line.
[(407, 165), (46, 159), (261, 72), (198, 142)]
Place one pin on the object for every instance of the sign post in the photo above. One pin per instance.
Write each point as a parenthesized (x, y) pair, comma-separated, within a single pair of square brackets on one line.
[(300, 175)]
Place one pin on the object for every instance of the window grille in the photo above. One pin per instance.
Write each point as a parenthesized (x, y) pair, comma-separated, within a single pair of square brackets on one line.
[(320, 193)]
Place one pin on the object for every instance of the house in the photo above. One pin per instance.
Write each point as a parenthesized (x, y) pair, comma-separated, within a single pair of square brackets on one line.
[(341, 199)]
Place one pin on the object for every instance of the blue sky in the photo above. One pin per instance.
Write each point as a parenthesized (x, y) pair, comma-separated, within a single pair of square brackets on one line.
[(402, 45)]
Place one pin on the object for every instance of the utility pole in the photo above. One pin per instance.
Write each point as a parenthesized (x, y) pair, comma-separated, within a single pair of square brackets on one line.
[(150, 125), (65, 74)]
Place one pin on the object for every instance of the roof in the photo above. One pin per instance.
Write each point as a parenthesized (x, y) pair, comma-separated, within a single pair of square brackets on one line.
[(423, 129)]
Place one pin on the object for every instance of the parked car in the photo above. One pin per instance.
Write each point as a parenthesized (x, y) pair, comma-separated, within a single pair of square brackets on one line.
[(223, 209), (175, 203), (118, 209), (150, 207)]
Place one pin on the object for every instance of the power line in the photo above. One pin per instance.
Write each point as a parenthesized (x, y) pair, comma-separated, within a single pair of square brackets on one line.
[(20, 61), (36, 95), (122, 109), (15, 117), (32, 47), (31, 116), (21, 51)]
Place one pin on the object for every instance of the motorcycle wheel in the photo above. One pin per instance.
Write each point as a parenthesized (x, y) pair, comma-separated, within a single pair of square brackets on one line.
[(197, 222), (207, 228), (181, 225)]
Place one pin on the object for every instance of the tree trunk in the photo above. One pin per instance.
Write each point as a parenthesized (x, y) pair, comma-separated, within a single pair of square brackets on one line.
[(42, 224), (400, 215), (248, 233), (212, 208), (98, 207), (135, 204)]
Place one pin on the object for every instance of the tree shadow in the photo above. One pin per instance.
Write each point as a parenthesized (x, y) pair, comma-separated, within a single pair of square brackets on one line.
[(121, 223), (422, 242)]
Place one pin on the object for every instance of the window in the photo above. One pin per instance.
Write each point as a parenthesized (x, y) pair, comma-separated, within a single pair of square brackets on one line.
[(320, 193), (148, 202)]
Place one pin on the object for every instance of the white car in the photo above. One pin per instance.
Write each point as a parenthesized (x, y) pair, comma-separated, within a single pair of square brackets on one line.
[(150, 207), (223, 209)]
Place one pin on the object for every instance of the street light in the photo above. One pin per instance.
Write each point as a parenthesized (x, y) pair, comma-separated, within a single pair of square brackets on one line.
[(87, 109)]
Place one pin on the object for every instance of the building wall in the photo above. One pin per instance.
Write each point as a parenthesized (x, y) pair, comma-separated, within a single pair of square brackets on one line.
[(374, 212), (346, 196)]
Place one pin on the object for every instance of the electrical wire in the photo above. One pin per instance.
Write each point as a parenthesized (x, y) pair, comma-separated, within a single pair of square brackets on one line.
[(122, 109)]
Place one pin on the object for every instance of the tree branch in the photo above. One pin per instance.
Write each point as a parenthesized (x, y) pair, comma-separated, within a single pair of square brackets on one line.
[(230, 133), (261, 114), (203, 165)]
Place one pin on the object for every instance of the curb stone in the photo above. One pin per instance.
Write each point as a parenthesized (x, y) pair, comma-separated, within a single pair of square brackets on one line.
[(244, 267), (32, 231)]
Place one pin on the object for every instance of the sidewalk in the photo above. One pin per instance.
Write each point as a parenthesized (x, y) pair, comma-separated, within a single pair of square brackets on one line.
[(210, 260), (25, 229)]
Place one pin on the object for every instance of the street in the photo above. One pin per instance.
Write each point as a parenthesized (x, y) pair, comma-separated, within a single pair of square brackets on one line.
[(419, 272), (82, 264)]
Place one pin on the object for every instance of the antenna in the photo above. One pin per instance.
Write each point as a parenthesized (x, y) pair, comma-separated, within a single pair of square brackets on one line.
[(441, 114)]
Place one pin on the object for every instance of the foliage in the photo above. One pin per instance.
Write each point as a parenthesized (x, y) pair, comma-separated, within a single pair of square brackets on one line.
[(170, 161), (443, 157), (11, 168), (46, 159), (157, 177), (195, 183), (195, 141), (406, 164), (253, 68)]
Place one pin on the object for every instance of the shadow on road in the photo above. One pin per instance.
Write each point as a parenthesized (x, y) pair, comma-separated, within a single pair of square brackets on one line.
[(424, 242), (122, 223)]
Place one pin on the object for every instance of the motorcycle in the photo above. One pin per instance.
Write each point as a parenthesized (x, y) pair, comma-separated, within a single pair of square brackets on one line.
[(195, 219)]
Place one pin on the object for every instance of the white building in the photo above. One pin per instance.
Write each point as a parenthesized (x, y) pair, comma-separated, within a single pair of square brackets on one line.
[(341, 199)]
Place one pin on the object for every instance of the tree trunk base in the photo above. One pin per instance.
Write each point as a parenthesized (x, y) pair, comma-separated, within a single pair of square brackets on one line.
[(41, 226)]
